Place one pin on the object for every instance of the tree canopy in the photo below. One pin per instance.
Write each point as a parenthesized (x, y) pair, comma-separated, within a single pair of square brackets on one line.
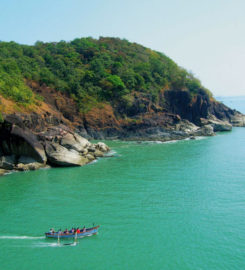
[(103, 70)]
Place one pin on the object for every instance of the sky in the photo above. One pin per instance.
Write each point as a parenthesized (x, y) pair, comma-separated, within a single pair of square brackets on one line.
[(207, 37)]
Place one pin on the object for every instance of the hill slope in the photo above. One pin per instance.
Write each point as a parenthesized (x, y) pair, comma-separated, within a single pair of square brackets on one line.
[(51, 94), (104, 88), (91, 70)]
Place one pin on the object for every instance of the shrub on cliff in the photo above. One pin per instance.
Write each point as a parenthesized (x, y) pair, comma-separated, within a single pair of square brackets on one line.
[(12, 84)]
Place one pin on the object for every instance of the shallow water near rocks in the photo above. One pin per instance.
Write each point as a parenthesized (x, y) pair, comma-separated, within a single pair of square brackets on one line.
[(178, 205)]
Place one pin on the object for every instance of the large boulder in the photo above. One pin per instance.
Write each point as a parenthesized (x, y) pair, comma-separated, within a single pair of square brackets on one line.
[(187, 127), (219, 125), (206, 130), (20, 149), (60, 156), (102, 147), (66, 148), (74, 141)]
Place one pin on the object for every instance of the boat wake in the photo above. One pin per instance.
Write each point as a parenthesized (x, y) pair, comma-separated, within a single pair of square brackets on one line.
[(43, 245), (20, 237), (36, 244)]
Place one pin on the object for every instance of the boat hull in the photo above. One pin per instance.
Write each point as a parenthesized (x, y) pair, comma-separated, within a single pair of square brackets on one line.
[(89, 232)]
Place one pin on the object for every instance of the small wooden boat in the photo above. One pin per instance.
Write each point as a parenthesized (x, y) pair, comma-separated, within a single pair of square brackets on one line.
[(62, 235)]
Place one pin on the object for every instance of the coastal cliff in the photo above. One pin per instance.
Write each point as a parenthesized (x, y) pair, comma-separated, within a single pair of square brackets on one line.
[(56, 96)]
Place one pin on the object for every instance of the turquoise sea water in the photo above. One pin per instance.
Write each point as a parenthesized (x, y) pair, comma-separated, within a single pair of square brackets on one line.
[(178, 205)]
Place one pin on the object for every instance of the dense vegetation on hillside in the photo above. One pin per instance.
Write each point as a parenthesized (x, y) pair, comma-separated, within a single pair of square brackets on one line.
[(91, 71)]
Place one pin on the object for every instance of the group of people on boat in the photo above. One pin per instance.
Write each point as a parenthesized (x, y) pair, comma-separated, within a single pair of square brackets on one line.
[(66, 231)]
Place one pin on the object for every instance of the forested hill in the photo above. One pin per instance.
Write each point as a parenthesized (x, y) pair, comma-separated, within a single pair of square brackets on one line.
[(105, 88), (92, 71), (53, 94)]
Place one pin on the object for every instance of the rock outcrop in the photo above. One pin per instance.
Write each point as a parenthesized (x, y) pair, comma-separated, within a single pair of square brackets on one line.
[(174, 117), (22, 149), (216, 124), (60, 156), (237, 119), (18, 140)]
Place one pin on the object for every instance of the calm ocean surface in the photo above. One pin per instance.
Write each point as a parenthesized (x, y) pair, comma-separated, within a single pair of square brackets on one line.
[(178, 205)]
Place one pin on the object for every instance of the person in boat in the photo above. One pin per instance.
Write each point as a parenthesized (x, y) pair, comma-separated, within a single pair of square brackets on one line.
[(84, 229), (66, 231), (51, 231), (78, 230)]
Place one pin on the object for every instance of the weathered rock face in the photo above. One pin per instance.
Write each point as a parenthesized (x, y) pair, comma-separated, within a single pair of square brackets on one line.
[(217, 124), (181, 103), (66, 148), (17, 140), (237, 120), (60, 156), (150, 121), (220, 125), (102, 147), (75, 142), (220, 111), (201, 107), (187, 127), (21, 149), (162, 126)]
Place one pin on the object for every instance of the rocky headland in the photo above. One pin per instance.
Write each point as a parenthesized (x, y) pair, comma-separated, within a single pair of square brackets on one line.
[(179, 117), (55, 97), (29, 141)]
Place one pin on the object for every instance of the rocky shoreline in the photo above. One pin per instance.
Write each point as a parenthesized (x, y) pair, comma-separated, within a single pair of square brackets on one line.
[(178, 116), (30, 141), (163, 127), (22, 150)]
